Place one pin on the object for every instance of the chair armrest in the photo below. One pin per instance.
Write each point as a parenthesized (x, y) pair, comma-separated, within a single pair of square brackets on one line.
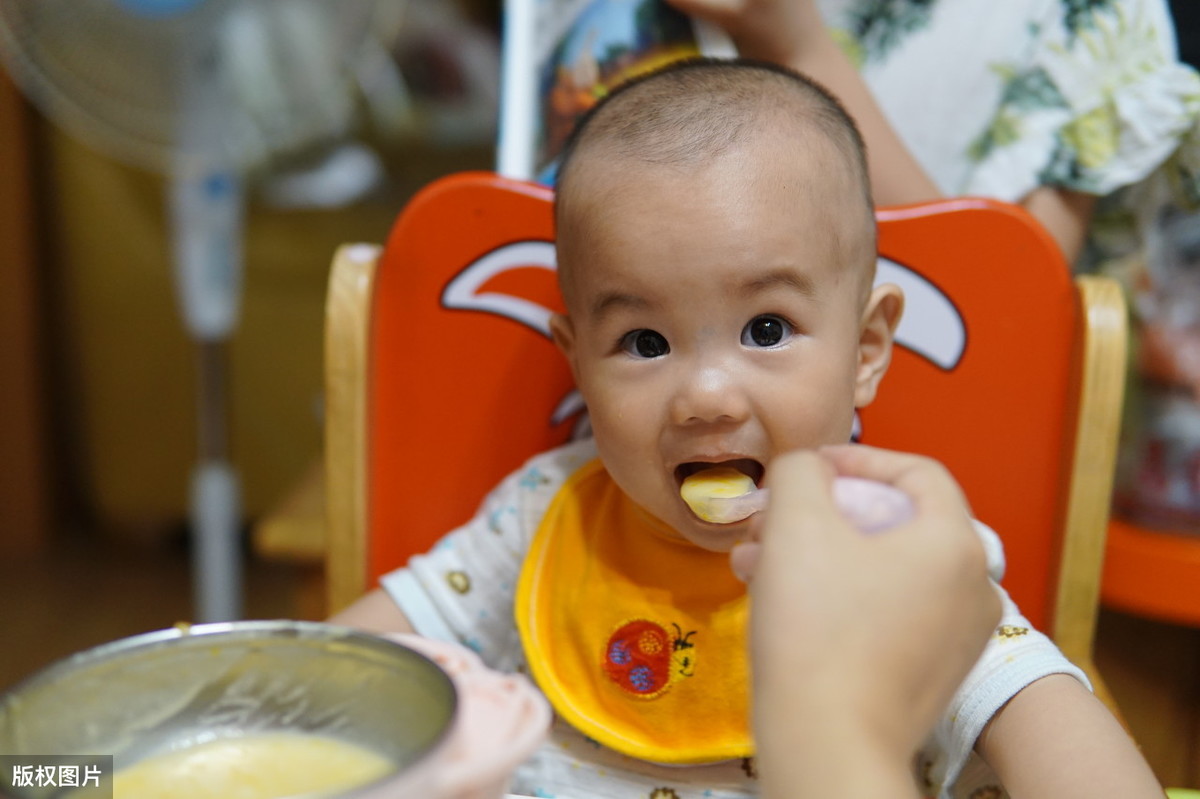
[(347, 337), (1103, 370)]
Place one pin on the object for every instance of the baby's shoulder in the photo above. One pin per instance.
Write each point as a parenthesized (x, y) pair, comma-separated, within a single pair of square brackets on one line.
[(557, 464), (529, 488)]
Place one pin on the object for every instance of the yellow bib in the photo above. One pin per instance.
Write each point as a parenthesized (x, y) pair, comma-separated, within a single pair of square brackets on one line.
[(637, 638)]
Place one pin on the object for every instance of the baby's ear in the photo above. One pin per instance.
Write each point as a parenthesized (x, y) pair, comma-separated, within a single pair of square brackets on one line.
[(563, 333), (876, 335)]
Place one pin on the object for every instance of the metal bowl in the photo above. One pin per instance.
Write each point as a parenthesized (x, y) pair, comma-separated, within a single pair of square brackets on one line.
[(140, 696)]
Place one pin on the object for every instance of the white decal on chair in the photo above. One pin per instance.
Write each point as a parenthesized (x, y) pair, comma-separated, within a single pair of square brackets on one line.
[(462, 291), (931, 326)]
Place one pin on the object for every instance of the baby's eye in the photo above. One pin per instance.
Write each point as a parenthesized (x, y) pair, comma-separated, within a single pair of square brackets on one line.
[(765, 331), (645, 343)]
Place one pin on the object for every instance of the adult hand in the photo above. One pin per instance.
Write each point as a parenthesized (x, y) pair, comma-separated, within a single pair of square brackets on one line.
[(859, 641)]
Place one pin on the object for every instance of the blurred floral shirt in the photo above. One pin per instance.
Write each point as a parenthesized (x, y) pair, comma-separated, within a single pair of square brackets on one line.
[(998, 97)]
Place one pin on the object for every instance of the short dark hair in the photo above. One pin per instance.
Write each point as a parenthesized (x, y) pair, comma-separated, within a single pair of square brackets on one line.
[(696, 108)]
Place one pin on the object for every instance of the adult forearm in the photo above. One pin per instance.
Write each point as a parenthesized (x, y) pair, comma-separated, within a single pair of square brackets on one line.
[(896, 176), (794, 34)]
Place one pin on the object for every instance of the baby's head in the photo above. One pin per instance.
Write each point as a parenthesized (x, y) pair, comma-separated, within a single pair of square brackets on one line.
[(716, 253)]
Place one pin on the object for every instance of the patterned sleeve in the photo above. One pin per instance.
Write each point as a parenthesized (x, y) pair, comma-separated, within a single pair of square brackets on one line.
[(462, 590), (1103, 102), (1016, 656)]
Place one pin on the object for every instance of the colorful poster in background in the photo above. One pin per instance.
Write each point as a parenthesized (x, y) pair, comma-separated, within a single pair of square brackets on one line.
[(561, 57), (609, 42)]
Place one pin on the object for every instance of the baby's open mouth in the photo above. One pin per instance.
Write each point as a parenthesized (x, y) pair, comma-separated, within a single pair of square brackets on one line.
[(721, 492), (747, 466)]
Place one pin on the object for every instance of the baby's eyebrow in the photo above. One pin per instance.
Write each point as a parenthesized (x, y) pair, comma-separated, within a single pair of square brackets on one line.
[(786, 278), (611, 301)]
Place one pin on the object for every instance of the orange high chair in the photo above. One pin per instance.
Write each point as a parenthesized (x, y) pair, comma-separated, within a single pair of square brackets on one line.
[(441, 378)]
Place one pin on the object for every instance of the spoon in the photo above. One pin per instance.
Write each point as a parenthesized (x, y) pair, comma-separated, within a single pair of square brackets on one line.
[(724, 495)]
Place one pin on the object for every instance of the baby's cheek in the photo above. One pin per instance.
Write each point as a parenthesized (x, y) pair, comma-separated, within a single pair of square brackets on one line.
[(808, 427)]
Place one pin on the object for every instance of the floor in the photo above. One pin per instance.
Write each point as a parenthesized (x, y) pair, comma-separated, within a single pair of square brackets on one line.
[(1153, 670), (84, 593)]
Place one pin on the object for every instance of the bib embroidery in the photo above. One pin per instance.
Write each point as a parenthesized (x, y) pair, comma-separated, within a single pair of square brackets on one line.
[(636, 636), (645, 660)]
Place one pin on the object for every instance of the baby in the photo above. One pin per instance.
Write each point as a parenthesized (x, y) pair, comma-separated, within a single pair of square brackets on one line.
[(716, 252)]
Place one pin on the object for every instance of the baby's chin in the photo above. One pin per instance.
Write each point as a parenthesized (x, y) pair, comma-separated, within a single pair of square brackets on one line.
[(684, 527), (714, 537)]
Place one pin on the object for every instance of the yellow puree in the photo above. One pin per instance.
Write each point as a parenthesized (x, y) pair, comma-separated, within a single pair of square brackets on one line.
[(718, 481), (254, 767)]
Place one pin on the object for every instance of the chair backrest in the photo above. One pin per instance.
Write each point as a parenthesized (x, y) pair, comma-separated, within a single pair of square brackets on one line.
[(442, 379)]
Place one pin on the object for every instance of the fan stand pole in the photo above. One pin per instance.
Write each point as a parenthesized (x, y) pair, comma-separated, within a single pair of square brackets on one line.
[(215, 500), (207, 209)]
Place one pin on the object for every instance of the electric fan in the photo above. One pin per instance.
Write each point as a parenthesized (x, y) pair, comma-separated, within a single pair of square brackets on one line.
[(213, 94)]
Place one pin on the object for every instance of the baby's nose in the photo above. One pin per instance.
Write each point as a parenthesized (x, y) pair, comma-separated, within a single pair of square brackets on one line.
[(709, 394)]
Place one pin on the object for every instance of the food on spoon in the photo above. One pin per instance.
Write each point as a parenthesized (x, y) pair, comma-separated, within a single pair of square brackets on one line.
[(718, 482)]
